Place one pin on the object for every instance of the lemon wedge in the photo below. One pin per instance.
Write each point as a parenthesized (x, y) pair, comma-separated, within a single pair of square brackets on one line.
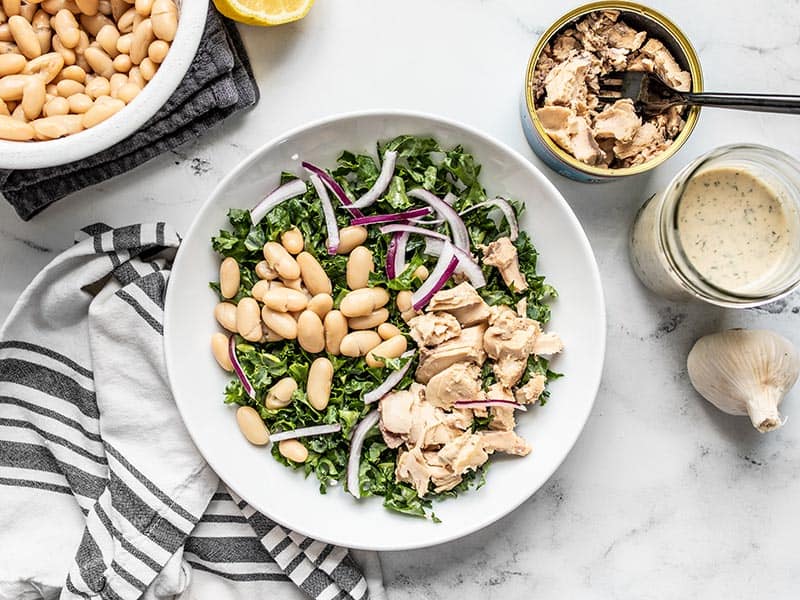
[(264, 12)]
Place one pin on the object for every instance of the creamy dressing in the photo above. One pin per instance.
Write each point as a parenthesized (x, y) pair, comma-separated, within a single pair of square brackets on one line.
[(726, 230), (734, 229)]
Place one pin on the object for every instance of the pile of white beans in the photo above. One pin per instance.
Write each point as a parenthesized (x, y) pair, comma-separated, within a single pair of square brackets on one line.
[(293, 301), (67, 65)]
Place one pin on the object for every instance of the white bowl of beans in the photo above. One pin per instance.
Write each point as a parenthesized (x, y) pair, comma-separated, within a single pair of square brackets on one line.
[(78, 76)]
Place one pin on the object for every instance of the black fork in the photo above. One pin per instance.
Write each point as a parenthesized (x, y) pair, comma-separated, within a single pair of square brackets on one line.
[(651, 96)]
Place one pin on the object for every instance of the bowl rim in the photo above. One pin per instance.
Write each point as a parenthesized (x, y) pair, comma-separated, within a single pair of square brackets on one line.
[(689, 52), (53, 153), (586, 249)]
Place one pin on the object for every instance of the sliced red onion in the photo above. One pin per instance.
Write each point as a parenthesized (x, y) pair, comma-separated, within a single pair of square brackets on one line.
[(356, 444), (401, 227), (457, 227), (237, 368), (433, 246), (333, 186), (466, 263), (392, 380), (445, 267), (450, 198), (390, 218), (391, 252), (490, 402), (421, 221), (399, 260), (327, 211), (505, 208), (396, 255), (290, 189), (305, 432), (381, 183)]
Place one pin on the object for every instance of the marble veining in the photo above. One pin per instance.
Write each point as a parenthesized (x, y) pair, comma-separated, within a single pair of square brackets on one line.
[(663, 496)]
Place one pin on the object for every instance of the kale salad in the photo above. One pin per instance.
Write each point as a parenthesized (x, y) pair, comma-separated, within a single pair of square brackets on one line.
[(383, 321)]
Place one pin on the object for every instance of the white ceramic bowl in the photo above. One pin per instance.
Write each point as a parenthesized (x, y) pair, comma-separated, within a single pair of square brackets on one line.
[(284, 495), (34, 155)]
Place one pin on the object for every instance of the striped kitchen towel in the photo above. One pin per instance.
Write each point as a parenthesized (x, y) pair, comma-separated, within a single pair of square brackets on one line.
[(102, 493)]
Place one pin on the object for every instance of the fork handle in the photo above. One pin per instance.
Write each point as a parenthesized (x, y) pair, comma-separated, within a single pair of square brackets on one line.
[(756, 102)]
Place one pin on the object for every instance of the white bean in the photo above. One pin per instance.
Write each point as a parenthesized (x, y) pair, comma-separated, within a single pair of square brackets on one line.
[(280, 394), (293, 450), (251, 425), (219, 347), (229, 277), (318, 387)]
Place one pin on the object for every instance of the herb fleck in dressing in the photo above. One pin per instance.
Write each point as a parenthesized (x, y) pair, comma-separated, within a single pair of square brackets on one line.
[(733, 229)]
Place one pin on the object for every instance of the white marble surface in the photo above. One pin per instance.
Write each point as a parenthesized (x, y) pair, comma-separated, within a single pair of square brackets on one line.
[(662, 497)]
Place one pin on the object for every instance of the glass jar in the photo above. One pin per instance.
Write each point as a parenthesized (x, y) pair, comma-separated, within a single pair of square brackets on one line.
[(726, 230)]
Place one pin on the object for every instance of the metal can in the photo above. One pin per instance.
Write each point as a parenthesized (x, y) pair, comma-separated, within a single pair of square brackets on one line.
[(644, 19)]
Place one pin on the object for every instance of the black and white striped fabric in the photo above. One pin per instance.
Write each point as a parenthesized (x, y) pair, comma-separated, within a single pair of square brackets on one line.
[(102, 494)]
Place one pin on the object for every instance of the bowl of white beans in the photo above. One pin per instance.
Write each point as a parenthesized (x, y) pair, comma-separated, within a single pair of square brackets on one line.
[(78, 76)]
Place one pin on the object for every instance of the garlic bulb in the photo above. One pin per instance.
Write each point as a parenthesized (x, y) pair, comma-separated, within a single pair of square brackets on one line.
[(745, 372)]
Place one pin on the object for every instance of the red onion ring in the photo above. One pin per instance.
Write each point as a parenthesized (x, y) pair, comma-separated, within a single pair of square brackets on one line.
[(392, 380), (237, 368), (457, 227), (327, 211), (305, 432), (333, 186), (396, 255), (445, 267), (381, 183), (450, 198), (356, 444), (466, 263), (490, 402), (290, 189), (389, 218), (401, 227), (505, 208)]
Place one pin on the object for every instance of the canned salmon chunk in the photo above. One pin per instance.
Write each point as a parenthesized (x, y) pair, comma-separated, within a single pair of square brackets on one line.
[(585, 135)]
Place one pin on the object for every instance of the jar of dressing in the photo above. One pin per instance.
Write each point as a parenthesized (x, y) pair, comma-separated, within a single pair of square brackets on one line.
[(726, 230)]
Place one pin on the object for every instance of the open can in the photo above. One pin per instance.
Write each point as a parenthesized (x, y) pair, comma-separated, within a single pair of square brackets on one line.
[(643, 19)]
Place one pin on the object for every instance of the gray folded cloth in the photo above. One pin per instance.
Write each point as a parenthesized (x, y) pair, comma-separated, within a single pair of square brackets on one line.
[(219, 83), (104, 495)]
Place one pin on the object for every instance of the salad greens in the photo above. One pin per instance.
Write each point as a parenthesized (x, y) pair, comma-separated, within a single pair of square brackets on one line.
[(421, 162)]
